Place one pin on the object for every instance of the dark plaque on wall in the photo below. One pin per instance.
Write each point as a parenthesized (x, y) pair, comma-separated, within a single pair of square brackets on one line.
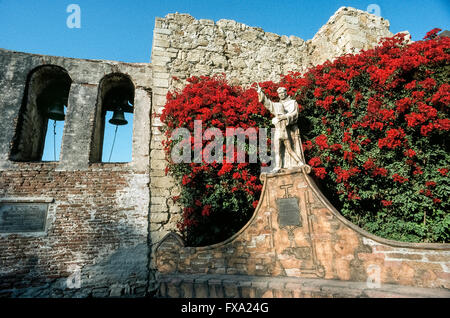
[(23, 217), (288, 212)]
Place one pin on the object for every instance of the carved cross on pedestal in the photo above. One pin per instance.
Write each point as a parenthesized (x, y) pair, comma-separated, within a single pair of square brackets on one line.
[(286, 187)]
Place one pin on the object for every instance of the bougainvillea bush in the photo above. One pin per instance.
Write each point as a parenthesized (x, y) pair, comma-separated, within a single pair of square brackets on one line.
[(374, 128), (218, 198)]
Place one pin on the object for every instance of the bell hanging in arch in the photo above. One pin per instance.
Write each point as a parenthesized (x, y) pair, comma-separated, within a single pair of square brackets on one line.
[(56, 112), (118, 118)]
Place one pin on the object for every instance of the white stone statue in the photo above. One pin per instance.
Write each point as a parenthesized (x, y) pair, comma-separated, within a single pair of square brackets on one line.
[(287, 133)]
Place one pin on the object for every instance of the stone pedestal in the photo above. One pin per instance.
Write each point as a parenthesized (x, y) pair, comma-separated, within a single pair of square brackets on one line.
[(295, 232), (287, 207)]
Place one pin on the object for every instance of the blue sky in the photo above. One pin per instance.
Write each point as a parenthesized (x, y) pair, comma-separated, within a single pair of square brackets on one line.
[(122, 30)]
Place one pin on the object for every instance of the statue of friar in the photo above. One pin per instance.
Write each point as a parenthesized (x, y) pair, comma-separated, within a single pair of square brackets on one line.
[(287, 134)]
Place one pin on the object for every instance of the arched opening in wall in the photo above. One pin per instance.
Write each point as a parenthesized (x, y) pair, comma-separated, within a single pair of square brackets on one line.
[(40, 124), (113, 128)]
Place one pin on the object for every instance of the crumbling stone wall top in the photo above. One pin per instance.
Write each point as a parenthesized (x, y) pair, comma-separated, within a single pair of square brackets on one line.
[(349, 30)]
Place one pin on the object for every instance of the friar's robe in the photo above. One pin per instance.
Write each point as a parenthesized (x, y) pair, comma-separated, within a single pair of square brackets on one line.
[(287, 129)]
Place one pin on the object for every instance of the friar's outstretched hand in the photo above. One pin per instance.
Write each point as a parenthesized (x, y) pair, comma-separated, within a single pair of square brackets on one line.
[(260, 92), (259, 89)]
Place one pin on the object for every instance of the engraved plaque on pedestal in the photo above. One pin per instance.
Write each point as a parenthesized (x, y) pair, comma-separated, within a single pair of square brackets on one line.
[(288, 212), (23, 217)]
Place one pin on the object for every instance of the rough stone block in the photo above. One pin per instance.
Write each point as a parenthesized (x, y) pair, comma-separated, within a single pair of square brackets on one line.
[(173, 291), (216, 291), (158, 200), (100, 292), (248, 292), (230, 289), (201, 289), (158, 208), (161, 43), (162, 182), (159, 100), (159, 217), (159, 63), (116, 291), (163, 75), (159, 91), (187, 289), (162, 31), (160, 164), (161, 60), (267, 294)]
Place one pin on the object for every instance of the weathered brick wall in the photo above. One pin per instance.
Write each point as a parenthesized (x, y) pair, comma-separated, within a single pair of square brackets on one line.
[(96, 237), (96, 225), (324, 245)]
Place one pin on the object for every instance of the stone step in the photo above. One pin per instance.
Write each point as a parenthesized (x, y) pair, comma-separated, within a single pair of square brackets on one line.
[(243, 286)]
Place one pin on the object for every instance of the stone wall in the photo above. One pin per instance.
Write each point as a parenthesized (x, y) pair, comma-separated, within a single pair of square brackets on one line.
[(184, 46), (322, 246), (348, 31), (95, 240)]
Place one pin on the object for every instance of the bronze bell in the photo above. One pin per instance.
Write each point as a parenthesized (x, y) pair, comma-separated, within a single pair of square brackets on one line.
[(118, 118), (56, 112)]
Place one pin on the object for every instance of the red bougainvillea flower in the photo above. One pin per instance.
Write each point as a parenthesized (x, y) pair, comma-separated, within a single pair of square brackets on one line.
[(409, 153), (314, 162), (320, 172), (432, 34), (321, 141), (430, 184), (399, 178)]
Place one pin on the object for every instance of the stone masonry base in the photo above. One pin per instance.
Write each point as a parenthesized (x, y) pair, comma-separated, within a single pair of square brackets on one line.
[(240, 286)]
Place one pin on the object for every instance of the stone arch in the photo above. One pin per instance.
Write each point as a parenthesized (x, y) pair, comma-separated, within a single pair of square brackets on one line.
[(114, 89), (46, 85)]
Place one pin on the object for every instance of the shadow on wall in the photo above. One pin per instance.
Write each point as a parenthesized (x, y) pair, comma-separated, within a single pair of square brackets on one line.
[(116, 270)]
